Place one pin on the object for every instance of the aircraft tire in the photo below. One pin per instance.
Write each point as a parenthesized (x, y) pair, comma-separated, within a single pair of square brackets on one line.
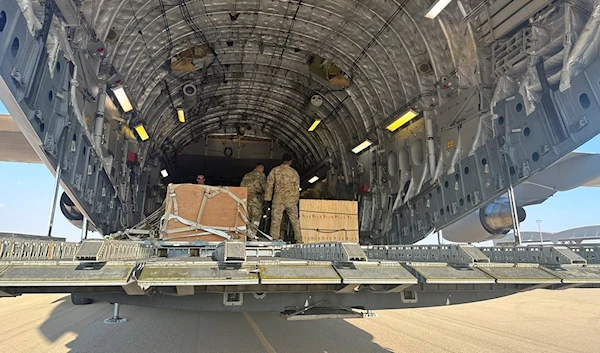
[(77, 299)]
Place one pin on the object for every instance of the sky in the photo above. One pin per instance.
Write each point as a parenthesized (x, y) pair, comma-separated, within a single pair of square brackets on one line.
[(27, 192)]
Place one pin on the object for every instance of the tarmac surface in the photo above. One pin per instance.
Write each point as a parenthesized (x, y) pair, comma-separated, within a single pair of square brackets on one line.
[(536, 321)]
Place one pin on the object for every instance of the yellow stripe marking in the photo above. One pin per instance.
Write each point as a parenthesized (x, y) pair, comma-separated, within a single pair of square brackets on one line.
[(261, 337)]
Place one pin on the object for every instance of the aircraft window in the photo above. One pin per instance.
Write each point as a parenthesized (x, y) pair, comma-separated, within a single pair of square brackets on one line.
[(484, 161), (466, 170), (535, 156), (446, 184), (50, 96), (527, 131), (584, 100), (392, 164), (512, 170), (14, 49), (469, 198), (58, 66), (2, 21), (519, 107), (416, 151), (501, 120), (461, 202)]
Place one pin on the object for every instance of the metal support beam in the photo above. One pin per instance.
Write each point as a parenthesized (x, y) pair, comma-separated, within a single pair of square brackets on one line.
[(84, 229), (99, 119), (513, 213), (54, 197), (430, 142), (116, 319)]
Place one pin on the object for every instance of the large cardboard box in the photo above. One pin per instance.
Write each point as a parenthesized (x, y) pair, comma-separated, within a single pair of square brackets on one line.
[(204, 213), (329, 220)]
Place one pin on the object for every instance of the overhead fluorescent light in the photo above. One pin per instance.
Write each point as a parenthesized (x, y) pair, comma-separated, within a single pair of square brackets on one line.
[(141, 131), (402, 119), (436, 8), (123, 99), (362, 146), (313, 179), (164, 173), (314, 125), (181, 115)]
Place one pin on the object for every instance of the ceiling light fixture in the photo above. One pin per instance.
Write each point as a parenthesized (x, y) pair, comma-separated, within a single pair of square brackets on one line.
[(314, 125), (313, 179), (141, 131), (402, 119), (362, 146), (164, 173), (122, 98), (181, 115), (436, 8)]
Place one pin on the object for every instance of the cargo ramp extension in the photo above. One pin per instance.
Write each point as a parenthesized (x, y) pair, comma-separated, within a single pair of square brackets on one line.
[(300, 281)]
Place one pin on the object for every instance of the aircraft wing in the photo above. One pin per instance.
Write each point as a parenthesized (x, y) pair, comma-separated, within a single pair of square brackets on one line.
[(13, 145), (574, 170)]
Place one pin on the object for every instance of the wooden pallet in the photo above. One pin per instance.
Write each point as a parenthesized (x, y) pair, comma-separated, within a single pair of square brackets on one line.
[(193, 211)]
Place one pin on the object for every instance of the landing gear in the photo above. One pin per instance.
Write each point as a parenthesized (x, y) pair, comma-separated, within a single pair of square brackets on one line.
[(77, 299), (116, 319)]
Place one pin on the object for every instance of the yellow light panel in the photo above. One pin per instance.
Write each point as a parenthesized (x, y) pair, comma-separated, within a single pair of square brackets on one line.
[(141, 131), (403, 119), (314, 125), (181, 115), (363, 145)]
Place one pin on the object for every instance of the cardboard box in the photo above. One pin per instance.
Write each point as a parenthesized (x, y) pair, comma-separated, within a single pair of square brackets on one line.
[(329, 220), (204, 213)]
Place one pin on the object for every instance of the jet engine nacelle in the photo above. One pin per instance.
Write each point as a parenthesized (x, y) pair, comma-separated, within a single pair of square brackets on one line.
[(72, 212), (490, 222)]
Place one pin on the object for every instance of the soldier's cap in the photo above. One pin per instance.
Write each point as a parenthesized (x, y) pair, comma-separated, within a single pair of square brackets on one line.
[(287, 158)]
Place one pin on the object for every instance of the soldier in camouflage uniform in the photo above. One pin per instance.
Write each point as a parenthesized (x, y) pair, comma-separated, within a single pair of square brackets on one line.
[(255, 181), (283, 188)]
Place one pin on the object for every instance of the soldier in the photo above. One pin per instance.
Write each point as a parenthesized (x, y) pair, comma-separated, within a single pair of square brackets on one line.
[(283, 188), (255, 181), (200, 179)]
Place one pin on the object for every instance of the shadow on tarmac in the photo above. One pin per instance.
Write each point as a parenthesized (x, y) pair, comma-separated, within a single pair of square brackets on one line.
[(167, 330)]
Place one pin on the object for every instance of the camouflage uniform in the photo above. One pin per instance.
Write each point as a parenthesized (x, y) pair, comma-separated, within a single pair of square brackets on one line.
[(283, 187), (255, 182)]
